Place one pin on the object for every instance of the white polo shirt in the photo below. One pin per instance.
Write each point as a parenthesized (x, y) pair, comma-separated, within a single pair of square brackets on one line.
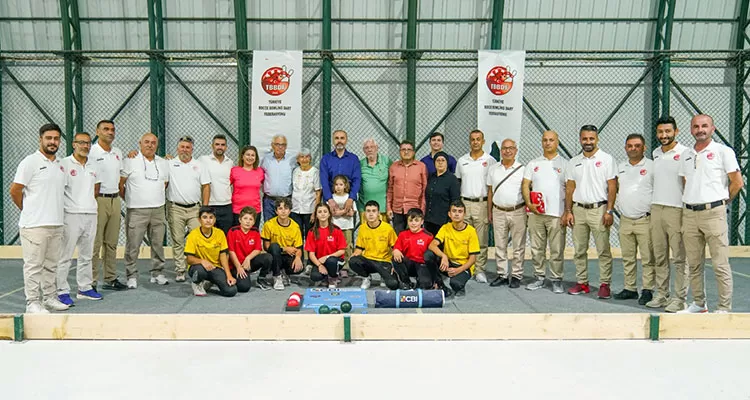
[(44, 188), (79, 185), (636, 188), (185, 180), (668, 183), (108, 167), (473, 175), (591, 175), (218, 172), (548, 177), (145, 185), (706, 172), (509, 194)]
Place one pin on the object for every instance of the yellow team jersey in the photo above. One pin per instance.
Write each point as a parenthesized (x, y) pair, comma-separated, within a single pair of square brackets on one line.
[(285, 236), (458, 245), (206, 248), (377, 243)]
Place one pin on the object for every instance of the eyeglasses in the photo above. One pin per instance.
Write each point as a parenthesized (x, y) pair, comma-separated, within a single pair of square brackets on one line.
[(508, 148), (145, 170), (280, 144), (188, 139), (82, 142)]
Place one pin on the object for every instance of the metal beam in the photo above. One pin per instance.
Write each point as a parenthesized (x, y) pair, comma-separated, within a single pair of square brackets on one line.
[(243, 81), (157, 80), (741, 139), (325, 92), (2, 160), (411, 70), (73, 78), (660, 80), (498, 9)]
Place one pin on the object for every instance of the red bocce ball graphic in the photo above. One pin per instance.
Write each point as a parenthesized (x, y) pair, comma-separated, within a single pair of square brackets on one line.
[(275, 81), (500, 80)]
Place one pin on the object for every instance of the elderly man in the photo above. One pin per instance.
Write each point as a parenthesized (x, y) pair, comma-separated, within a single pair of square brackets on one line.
[(436, 145), (505, 208), (340, 162), (712, 179), (278, 166), (143, 182), (374, 169), (218, 166), (407, 181), (188, 189)]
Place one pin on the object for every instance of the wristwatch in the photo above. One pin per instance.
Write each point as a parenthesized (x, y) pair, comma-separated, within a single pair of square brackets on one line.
[(610, 212)]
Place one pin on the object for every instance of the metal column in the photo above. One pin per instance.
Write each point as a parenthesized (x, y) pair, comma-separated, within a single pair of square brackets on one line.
[(741, 136), (411, 70), (243, 88), (325, 100), (660, 82), (157, 81), (71, 29)]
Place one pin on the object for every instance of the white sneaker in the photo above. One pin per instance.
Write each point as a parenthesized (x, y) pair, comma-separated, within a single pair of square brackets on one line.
[(694, 309), (308, 269), (132, 283), (159, 280), (285, 279), (278, 283), (537, 284), (53, 304), (481, 277), (365, 283), (207, 285), (198, 289), (180, 277), (35, 307), (382, 284)]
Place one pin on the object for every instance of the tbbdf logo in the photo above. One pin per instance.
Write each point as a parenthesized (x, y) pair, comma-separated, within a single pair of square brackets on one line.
[(500, 80), (275, 80)]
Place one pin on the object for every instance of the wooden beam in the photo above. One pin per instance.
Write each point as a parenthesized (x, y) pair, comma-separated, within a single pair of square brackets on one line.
[(704, 326), (6, 326)]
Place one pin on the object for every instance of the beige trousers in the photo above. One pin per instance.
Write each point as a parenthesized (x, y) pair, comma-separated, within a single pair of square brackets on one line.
[(476, 216), (41, 248), (181, 221), (589, 221), (511, 223), (544, 229), (666, 235), (139, 223), (635, 236), (107, 236)]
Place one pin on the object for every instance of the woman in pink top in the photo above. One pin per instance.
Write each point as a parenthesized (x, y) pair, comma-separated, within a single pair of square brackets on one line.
[(246, 180)]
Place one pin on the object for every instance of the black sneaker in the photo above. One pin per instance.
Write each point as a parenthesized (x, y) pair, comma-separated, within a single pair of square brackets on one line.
[(114, 285), (515, 283), (626, 294), (499, 281), (646, 296), (461, 293), (263, 285), (447, 292)]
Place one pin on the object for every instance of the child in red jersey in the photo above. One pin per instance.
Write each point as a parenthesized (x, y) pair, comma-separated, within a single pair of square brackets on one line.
[(326, 245), (408, 252), (245, 252)]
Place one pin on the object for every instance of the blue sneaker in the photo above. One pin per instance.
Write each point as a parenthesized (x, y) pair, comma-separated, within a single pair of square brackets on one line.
[(65, 299), (90, 294)]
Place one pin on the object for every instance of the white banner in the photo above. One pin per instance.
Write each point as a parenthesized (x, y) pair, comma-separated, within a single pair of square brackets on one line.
[(500, 95), (276, 106)]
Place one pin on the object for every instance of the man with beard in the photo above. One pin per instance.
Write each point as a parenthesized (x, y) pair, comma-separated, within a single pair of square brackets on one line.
[(407, 181), (37, 190), (712, 179), (590, 194), (188, 189), (340, 162), (220, 195), (437, 141), (666, 220)]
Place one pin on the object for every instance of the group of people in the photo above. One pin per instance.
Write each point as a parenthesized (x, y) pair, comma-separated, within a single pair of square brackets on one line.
[(423, 223)]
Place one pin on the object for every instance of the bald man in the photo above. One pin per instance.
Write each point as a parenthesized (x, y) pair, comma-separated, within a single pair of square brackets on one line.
[(545, 175), (143, 181), (505, 208)]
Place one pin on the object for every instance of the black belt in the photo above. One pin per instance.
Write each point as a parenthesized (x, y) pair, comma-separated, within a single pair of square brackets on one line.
[(648, 214), (109, 195), (706, 206), (590, 206), (474, 200), (509, 209), (274, 198), (186, 205)]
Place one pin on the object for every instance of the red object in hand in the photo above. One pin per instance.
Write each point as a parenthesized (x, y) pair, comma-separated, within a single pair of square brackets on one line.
[(538, 199)]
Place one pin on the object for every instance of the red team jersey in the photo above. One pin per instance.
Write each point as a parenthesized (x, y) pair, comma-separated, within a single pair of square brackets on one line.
[(242, 243), (413, 245), (327, 243)]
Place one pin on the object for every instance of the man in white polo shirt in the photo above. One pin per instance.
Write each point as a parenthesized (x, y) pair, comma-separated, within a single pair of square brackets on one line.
[(666, 220), (546, 175), (188, 189), (142, 185), (218, 166), (635, 183), (472, 171), (37, 191), (81, 186), (505, 208), (108, 160), (590, 195), (712, 179)]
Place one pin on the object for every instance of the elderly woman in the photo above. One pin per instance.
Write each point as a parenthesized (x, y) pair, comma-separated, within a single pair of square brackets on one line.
[(374, 177), (305, 191), (442, 189)]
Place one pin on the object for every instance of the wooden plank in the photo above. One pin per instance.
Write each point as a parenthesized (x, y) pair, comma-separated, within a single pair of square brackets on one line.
[(6, 326), (705, 326), (14, 252)]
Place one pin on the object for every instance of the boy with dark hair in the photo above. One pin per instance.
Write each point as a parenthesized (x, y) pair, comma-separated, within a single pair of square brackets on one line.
[(408, 252), (373, 249), (245, 252), (283, 240), (206, 255), (460, 248)]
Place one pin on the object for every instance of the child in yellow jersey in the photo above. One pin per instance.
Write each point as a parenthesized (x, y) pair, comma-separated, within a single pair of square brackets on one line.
[(374, 249), (283, 240), (460, 248), (206, 253)]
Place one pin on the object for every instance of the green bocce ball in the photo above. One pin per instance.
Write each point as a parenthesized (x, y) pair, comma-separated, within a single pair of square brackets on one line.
[(335, 311), (346, 306), (324, 309)]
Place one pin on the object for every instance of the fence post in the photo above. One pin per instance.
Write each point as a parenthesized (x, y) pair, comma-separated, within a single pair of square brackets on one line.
[(71, 29), (498, 9), (243, 95), (2, 161), (325, 100), (662, 41), (156, 81), (411, 71), (741, 143)]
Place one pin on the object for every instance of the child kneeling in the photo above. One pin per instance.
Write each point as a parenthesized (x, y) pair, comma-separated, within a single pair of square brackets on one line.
[(409, 251), (373, 252), (245, 256), (283, 240), (206, 253), (326, 245)]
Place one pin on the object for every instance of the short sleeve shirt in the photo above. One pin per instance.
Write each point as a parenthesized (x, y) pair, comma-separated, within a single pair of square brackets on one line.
[(79, 186), (218, 172), (377, 242), (241, 243), (305, 184), (145, 185), (458, 245), (413, 245), (706, 172), (185, 181), (206, 248), (509, 193), (548, 177), (636, 188), (328, 241), (43, 192), (109, 165), (591, 175), (285, 236), (473, 175), (667, 183)]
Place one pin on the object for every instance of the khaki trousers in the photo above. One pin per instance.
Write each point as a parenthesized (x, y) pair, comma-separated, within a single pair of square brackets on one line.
[(589, 221), (78, 231), (503, 224), (107, 235), (666, 235), (635, 236), (476, 216), (139, 223), (699, 228), (545, 229), (181, 221), (41, 253)]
